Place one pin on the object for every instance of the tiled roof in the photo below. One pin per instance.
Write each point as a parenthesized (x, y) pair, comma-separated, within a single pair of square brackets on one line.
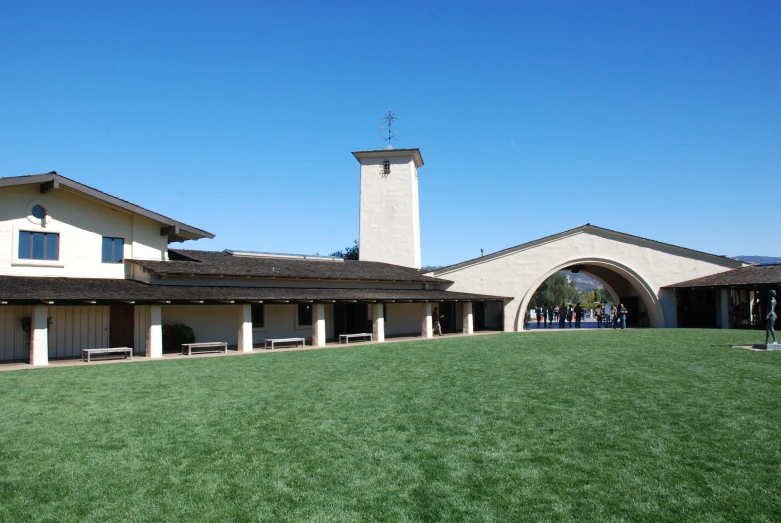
[(215, 263), (743, 276), (24, 289)]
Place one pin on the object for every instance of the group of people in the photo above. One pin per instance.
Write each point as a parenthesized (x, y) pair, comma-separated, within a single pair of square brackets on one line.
[(564, 315)]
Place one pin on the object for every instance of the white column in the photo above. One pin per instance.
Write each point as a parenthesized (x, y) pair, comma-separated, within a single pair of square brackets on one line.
[(426, 327), (39, 336), (245, 327), (318, 324), (378, 322), (726, 318), (154, 331), (468, 322)]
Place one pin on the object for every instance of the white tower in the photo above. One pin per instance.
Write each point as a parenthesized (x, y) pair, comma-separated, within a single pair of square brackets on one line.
[(390, 212)]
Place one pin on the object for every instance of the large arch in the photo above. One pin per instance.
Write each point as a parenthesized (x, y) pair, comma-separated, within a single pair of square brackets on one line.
[(637, 266), (646, 293)]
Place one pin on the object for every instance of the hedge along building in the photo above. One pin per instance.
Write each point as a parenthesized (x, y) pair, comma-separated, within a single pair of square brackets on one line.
[(83, 269)]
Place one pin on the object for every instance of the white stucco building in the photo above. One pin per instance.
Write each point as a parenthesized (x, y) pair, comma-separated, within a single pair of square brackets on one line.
[(83, 269)]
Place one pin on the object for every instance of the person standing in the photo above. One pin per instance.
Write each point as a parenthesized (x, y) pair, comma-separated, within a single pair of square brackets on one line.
[(599, 314), (622, 311), (545, 316), (435, 316), (608, 315), (538, 313), (556, 313), (756, 311), (614, 317), (569, 315), (578, 313), (562, 315), (550, 317)]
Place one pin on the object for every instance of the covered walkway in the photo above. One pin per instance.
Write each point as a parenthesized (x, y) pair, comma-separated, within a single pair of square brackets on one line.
[(257, 349)]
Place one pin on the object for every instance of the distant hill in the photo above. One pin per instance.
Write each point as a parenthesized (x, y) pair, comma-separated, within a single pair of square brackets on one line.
[(758, 259), (583, 282)]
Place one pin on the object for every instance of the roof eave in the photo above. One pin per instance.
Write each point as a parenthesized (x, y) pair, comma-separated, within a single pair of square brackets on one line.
[(598, 231), (391, 153), (186, 232)]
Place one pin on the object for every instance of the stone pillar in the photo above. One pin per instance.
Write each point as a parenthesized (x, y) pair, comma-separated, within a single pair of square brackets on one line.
[(154, 331), (39, 335), (378, 322), (726, 317), (245, 327), (426, 327), (468, 322), (318, 325)]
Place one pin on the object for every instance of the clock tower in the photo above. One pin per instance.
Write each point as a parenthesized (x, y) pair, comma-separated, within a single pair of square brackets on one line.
[(390, 211)]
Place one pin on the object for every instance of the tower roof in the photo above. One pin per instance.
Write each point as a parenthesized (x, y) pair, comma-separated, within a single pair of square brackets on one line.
[(390, 153)]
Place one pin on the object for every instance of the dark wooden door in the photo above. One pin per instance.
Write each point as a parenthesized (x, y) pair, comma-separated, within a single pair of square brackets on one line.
[(120, 332)]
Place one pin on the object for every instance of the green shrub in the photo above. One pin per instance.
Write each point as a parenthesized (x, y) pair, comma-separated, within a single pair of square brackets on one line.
[(175, 335)]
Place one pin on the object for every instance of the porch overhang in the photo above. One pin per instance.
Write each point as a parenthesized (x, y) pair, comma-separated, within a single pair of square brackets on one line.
[(23, 290)]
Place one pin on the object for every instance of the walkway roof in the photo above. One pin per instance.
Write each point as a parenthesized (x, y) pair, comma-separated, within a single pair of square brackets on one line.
[(184, 262), (78, 291), (751, 276)]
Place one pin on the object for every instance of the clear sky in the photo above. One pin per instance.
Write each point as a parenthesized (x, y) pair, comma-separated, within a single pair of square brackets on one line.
[(660, 119)]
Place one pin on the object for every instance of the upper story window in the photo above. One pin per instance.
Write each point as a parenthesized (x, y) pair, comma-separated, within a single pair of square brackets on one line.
[(38, 212), (258, 316), (39, 246), (386, 167), (113, 250)]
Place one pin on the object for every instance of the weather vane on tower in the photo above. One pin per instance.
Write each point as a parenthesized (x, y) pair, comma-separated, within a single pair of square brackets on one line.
[(389, 120)]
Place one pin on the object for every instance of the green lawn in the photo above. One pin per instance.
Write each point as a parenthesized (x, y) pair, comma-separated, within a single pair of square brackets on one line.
[(642, 425)]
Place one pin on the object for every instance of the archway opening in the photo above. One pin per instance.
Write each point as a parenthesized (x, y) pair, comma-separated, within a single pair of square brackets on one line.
[(614, 284)]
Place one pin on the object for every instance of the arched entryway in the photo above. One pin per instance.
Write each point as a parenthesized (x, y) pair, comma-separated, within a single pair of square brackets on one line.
[(621, 280), (632, 266)]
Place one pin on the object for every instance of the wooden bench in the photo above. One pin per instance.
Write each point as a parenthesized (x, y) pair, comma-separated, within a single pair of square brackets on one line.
[(86, 354), (272, 341), (345, 338), (209, 346)]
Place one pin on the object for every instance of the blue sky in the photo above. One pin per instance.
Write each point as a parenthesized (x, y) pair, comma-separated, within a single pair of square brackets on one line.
[(660, 119)]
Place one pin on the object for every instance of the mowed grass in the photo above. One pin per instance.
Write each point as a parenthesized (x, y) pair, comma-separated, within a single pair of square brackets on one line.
[(642, 425)]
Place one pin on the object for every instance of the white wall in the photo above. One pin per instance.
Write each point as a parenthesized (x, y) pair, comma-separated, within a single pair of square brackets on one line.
[(14, 343), (76, 328), (209, 322), (220, 322), (81, 223), (518, 272), (389, 228), (402, 318)]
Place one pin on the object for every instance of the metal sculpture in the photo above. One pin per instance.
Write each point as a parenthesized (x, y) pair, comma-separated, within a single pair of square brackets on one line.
[(771, 318), (389, 120)]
